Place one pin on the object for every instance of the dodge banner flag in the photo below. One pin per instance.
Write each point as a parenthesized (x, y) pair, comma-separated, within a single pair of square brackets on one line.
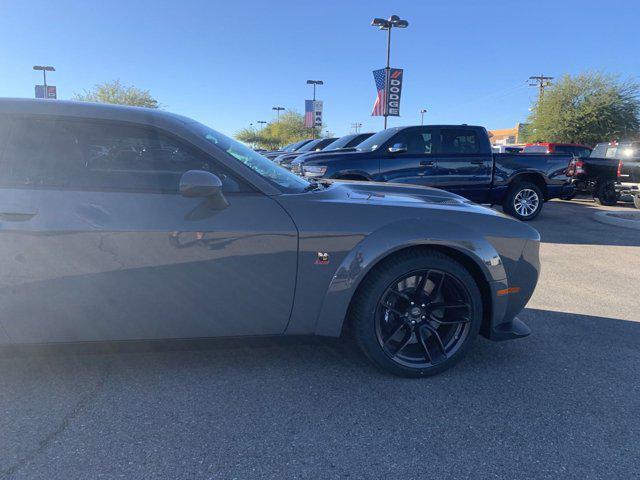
[(387, 102), (395, 89), (313, 113)]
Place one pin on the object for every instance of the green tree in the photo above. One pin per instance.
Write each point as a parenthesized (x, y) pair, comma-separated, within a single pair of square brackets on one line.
[(289, 129), (116, 92), (587, 108)]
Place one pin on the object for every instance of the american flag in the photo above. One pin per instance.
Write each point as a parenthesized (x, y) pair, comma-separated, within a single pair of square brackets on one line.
[(308, 113), (380, 76)]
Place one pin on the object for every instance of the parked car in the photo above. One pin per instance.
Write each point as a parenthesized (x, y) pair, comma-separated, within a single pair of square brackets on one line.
[(457, 158), (313, 146), (596, 176), (575, 149), (292, 147), (216, 240), (628, 153), (348, 143)]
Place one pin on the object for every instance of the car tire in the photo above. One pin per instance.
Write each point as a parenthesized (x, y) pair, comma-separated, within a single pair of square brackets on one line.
[(606, 194), (636, 201), (569, 197), (426, 353), (524, 201)]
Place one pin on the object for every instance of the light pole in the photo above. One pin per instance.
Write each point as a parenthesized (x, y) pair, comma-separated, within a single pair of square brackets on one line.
[(393, 21), (314, 83), (422, 112), (356, 126), (44, 69), (262, 122), (278, 110)]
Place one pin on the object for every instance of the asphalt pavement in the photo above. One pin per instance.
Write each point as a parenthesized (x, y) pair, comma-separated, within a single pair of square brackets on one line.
[(562, 403)]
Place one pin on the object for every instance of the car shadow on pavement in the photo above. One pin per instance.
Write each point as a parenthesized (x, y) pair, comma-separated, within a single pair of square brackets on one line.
[(551, 405)]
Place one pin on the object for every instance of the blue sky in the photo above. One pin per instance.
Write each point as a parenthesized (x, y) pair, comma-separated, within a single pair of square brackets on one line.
[(227, 63)]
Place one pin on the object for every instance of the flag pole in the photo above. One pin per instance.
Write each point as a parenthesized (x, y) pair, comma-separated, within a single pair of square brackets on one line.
[(386, 78)]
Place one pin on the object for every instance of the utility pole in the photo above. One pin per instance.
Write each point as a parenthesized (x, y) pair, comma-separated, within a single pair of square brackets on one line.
[(541, 82), (356, 127)]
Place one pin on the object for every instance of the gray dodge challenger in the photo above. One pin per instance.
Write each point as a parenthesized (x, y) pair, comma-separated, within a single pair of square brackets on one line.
[(122, 223)]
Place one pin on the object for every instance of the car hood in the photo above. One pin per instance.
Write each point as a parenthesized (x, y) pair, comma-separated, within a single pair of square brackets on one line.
[(323, 154), (394, 194)]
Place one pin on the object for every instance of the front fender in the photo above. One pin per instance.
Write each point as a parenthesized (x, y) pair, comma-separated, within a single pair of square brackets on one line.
[(392, 238)]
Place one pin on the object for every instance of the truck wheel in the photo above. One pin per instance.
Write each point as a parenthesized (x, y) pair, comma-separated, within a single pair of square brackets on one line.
[(606, 194), (417, 313), (636, 201), (524, 201)]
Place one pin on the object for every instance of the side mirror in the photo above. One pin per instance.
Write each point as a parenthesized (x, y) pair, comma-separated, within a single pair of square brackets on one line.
[(198, 183), (398, 148)]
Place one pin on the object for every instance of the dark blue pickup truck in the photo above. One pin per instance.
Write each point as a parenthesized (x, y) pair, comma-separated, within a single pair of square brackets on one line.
[(457, 158)]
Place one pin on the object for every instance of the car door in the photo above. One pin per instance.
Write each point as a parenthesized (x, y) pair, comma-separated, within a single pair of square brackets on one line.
[(98, 244), (408, 157), (464, 164)]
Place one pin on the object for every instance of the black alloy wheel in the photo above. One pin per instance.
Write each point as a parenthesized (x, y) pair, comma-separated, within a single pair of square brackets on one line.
[(423, 318), (418, 313)]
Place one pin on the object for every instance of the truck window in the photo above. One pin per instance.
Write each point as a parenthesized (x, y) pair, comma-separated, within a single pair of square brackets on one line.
[(418, 141), (459, 141)]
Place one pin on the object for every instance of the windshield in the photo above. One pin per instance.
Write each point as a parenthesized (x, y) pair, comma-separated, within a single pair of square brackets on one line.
[(339, 143), (375, 141), (310, 146), (256, 162), (292, 147), (620, 151)]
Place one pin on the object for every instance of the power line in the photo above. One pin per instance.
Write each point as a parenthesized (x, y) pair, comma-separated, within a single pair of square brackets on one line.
[(541, 82)]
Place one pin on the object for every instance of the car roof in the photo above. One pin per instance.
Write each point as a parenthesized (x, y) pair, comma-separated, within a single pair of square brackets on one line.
[(101, 111)]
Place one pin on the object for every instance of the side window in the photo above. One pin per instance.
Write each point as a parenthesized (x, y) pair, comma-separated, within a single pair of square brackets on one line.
[(459, 141), (102, 156), (417, 141)]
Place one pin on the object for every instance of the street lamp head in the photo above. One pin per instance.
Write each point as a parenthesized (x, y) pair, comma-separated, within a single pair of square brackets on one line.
[(47, 68), (424, 110), (401, 24), (315, 82), (380, 22), (394, 18)]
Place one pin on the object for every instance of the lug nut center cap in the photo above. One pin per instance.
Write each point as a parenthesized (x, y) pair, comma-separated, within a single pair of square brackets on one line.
[(415, 312)]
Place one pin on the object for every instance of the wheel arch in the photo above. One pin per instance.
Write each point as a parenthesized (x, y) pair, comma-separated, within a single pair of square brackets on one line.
[(533, 177), (475, 255)]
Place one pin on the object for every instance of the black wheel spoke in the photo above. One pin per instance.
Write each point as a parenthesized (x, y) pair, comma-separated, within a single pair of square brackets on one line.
[(391, 309), (393, 334), (437, 287), (403, 343), (423, 344), (400, 294), (436, 335), (420, 286)]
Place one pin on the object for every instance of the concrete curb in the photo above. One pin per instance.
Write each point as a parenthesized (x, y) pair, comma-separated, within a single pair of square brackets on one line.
[(619, 219)]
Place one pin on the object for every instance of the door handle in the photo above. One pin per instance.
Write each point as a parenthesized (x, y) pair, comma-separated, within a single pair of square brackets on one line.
[(477, 162), (17, 216), (426, 163)]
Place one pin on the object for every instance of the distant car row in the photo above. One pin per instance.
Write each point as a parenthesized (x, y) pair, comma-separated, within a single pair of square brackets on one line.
[(457, 158), (459, 161)]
